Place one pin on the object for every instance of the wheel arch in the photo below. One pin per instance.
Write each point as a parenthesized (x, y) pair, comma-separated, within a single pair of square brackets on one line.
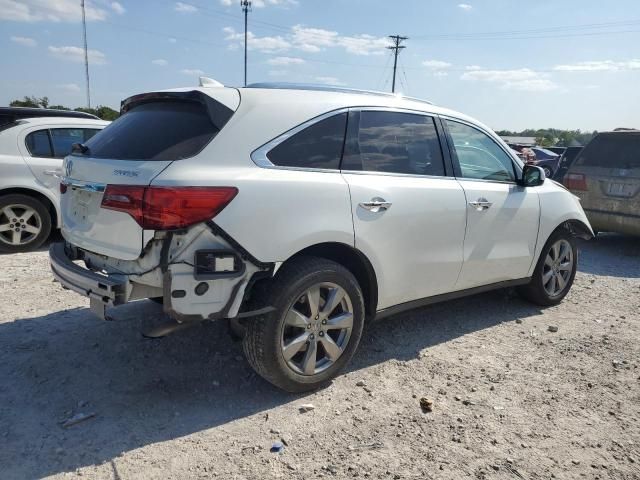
[(353, 260), (40, 196)]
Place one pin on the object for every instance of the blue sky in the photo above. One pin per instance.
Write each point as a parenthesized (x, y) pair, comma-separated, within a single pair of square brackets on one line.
[(512, 64)]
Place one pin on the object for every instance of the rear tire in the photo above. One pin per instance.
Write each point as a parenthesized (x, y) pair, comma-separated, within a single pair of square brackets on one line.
[(25, 223), (555, 270), (314, 330)]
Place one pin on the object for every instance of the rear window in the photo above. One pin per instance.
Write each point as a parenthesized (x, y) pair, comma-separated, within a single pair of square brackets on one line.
[(163, 130), (612, 150)]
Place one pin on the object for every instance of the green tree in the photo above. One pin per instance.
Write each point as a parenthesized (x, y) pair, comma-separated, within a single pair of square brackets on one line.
[(101, 111), (32, 101)]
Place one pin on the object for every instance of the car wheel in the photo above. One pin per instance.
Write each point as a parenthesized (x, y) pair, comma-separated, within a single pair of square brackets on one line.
[(555, 271), (25, 223), (314, 330), (548, 173)]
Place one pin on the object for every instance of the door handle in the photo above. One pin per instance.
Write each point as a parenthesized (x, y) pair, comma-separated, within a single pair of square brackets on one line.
[(481, 204), (376, 205)]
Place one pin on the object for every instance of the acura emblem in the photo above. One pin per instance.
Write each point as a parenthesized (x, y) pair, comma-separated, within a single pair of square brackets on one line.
[(68, 167)]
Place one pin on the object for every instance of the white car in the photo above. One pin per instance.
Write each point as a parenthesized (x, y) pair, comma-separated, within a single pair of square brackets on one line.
[(306, 212), (33, 143)]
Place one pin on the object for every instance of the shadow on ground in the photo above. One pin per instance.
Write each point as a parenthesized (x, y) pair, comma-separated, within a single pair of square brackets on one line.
[(146, 391)]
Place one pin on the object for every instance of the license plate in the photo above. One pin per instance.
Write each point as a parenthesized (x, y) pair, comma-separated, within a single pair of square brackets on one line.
[(81, 203), (624, 190)]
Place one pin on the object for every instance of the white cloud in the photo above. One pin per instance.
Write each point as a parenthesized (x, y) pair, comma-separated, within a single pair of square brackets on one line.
[(285, 61), (161, 62), (185, 8), (311, 40), (117, 7), (48, 10), (278, 73), (227, 3), (192, 71), (263, 44), (76, 54), (523, 79), (172, 40), (465, 6), (24, 41), (436, 64), (600, 66), (70, 87), (333, 81)]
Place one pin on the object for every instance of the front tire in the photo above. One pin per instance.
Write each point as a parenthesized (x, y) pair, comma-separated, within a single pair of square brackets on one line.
[(314, 330), (25, 223), (555, 271)]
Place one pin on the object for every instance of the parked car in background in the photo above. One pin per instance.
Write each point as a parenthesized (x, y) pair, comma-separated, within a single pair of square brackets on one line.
[(33, 143), (545, 159), (566, 160), (308, 211), (606, 177), (557, 150)]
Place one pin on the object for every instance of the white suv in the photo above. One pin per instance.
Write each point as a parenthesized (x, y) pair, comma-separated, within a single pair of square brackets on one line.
[(306, 212), (33, 143)]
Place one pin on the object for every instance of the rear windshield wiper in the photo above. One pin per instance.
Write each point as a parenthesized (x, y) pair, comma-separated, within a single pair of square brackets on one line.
[(80, 148)]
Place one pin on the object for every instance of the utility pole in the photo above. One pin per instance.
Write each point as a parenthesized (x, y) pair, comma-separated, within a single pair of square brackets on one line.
[(397, 40), (86, 53), (246, 7)]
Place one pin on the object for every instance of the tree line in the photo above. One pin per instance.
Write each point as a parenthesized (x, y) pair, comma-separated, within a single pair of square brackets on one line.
[(550, 137), (101, 111)]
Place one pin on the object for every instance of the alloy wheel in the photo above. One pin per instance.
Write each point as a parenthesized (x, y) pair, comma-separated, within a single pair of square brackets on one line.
[(557, 269), (317, 328), (19, 224)]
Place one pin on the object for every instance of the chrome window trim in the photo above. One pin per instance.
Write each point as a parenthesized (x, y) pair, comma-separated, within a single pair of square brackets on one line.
[(260, 158), (394, 174)]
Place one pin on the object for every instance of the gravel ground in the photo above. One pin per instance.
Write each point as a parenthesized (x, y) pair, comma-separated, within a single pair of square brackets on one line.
[(511, 399)]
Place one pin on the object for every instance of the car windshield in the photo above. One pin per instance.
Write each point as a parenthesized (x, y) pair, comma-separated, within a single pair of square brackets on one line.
[(612, 150)]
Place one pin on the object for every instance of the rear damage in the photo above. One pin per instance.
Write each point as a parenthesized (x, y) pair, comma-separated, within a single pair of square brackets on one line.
[(199, 274)]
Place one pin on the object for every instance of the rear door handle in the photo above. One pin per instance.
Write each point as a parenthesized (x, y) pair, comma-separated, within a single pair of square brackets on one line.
[(376, 205), (481, 204)]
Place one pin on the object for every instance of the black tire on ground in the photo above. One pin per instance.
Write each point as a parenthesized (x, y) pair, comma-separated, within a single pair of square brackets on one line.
[(19, 201), (262, 340), (535, 291)]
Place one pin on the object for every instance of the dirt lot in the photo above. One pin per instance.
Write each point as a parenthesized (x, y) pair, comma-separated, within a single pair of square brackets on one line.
[(511, 399)]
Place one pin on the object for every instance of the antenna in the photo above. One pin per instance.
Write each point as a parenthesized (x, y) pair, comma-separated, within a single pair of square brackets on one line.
[(86, 54)]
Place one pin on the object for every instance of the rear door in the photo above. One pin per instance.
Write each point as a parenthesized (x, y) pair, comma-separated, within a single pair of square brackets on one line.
[(502, 217), (408, 211), (43, 149), (155, 130), (609, 171)]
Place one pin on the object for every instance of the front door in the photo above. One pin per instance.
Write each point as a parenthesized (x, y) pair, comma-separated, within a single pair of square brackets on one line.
[(409, 216), (502, 216)]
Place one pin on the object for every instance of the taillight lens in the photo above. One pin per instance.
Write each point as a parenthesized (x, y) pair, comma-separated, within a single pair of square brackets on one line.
[(167, 208), (575, 181)]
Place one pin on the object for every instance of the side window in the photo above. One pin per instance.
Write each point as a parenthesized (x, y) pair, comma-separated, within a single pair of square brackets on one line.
[(38, 144), (317, 146), (478, 155), (395, 142), (63, 138), (89, 132)]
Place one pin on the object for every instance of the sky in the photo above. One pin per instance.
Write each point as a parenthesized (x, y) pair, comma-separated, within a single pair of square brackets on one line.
[(513, 64)]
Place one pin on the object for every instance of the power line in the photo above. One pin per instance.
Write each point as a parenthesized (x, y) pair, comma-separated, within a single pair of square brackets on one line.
[(396, 47), (86, 53)]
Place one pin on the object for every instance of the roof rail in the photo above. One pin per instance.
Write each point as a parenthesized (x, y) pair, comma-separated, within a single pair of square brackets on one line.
[(329, 88), (12, 114)]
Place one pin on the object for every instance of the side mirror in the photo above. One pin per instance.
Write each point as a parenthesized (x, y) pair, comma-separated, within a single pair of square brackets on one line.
[(532, 176)]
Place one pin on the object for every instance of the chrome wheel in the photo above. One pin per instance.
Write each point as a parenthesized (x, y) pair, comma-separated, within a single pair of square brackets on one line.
[(557, 269), (19, 224), (317, 329)]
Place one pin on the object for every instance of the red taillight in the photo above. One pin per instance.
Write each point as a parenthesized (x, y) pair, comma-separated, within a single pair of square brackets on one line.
[(167, 208), (63, 187), (575, 181)]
